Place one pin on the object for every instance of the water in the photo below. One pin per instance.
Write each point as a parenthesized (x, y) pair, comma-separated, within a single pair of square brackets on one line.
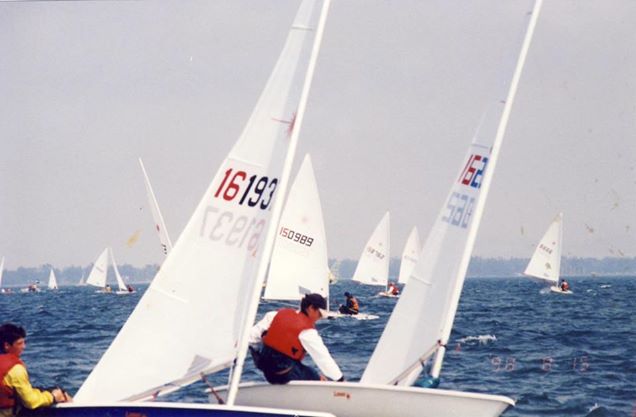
[(555, 355)]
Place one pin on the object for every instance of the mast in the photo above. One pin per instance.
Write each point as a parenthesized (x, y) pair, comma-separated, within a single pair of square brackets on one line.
[(472, 234), (276, 212)]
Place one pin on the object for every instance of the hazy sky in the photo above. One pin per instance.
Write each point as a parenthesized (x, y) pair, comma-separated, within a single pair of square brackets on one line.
[(400, 87)]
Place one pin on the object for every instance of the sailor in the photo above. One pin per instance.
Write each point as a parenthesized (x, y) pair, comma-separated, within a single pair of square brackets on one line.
[(351, 305), (279, 341), (565, 286), (393, 289), (15, 388)]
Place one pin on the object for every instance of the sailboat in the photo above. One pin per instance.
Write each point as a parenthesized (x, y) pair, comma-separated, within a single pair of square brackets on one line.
[(299, 263), (3, 290), (545, 263), (410, 255), (373, 266), (52, 281), (420, 325), (198, 307), (99, 274), (160, 226)]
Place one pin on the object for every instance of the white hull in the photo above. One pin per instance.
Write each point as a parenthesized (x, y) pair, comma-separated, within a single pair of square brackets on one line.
[(162, 409), (351, 399), (559, 290), (388, 295), (359, 316)]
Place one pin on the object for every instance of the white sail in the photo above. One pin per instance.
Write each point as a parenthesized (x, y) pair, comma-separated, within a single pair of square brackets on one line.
[(52, 281), (189, 319), (1, 270), (373, 266), (97, 276), (410, 255), (299, 262), (160, 226), (546, 260), (422, 319), (120, 282)]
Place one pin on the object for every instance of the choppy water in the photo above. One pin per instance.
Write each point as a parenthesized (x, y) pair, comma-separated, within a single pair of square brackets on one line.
[(555, 355)]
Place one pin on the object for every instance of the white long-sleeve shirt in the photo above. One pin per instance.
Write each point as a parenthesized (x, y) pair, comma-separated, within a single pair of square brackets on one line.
[(311, 341)]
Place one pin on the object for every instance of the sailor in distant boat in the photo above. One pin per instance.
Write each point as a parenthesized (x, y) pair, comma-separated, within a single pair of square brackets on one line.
[(565, 286), (16, 391), (351, 307), (279, 341), (393, 289)]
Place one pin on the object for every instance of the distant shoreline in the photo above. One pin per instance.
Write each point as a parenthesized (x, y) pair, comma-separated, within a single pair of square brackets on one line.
[(571, 267)]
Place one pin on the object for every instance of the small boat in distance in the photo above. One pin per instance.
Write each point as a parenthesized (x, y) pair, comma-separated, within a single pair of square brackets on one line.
[(545, 263)]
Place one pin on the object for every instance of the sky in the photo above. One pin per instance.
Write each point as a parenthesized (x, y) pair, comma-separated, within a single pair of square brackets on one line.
[(398, 93)]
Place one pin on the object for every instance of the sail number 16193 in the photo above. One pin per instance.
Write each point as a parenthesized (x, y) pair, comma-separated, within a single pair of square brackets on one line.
[(254, 191)]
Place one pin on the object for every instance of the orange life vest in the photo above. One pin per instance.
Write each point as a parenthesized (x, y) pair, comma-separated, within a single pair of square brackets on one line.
[(7, 394), (354, 304), (282, 334)]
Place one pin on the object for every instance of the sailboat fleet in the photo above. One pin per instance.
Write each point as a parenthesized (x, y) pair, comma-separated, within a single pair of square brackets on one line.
[(194, 317)]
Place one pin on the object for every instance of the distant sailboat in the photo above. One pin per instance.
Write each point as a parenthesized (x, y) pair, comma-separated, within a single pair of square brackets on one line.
[(2, 290), (545, 263), (373, 266), (160, 226), (52, 281), (99, 274), (410, 255)]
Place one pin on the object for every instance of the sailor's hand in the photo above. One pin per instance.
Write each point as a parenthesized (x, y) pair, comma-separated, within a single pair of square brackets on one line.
[(59, 396), (323, 378)]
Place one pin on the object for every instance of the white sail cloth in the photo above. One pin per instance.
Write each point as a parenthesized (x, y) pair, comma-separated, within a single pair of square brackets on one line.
[(422, 319), (546, 260), (160, 225), (188, 321), (299, 262), (373, 266), (410, 255)]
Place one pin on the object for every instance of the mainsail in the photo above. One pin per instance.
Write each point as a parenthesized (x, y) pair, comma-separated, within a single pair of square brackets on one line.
[(410, 254), (373, 266), (120, 282), (1, 270), (546, 261), (299, 262), (160, 226), (52, 285), (97, 276), (421, 322), (189, 320)]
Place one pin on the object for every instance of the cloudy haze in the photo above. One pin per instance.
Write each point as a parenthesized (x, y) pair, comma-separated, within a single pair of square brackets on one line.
[(399, 90)]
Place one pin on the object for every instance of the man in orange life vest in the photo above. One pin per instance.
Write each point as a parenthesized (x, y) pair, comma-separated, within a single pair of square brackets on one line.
[(285, 336), (15, 389), (351, 307)]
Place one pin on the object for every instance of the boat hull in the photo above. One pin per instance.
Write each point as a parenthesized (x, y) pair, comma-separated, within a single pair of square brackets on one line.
[(349, 399), (158, 409), (558, 290)]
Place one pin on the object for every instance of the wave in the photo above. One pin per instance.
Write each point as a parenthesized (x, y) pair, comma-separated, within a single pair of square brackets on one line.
[(481, 339)]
